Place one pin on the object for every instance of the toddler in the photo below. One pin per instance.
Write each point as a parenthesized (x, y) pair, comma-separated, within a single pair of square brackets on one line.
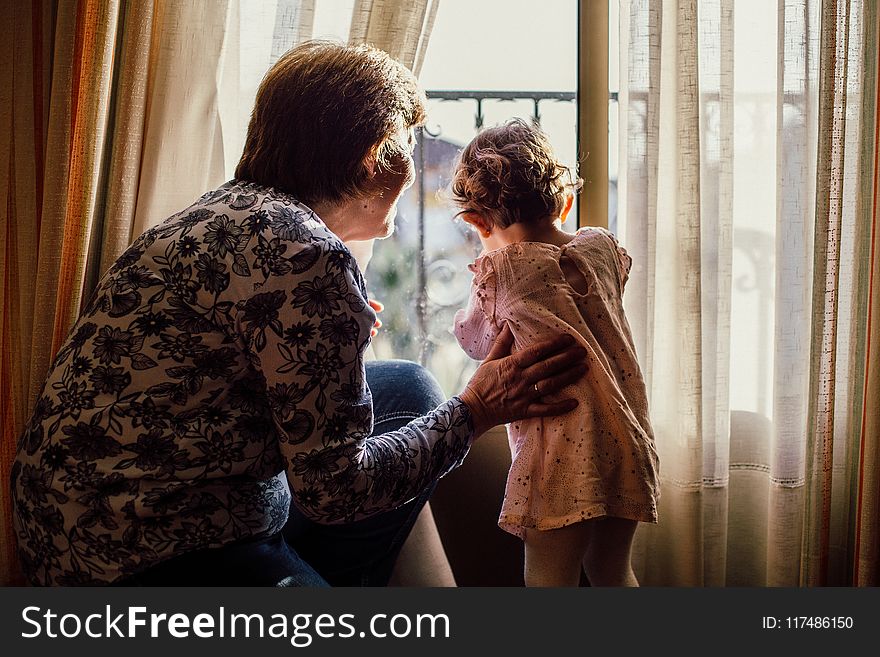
[(578, 483)]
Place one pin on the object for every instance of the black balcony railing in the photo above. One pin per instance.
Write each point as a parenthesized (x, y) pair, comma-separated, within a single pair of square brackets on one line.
[(479, 96)]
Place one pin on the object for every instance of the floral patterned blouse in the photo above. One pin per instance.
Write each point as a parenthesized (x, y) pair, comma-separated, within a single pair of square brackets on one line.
[(216, 375)]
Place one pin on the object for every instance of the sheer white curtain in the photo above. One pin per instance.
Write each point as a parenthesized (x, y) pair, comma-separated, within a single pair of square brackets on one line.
[(740, 204), (210, 57)]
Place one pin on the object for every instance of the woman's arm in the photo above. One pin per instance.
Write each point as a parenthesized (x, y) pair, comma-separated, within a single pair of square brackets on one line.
[(307, 334)]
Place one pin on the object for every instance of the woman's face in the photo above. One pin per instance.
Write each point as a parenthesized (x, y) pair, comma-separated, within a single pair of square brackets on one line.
[(391, 181)]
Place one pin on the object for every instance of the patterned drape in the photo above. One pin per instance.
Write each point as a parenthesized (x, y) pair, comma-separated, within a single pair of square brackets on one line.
[(749, 193)]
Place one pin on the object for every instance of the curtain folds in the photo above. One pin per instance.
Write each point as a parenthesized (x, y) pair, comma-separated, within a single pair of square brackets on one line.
[(55, 123), (183, 108), (402, 29), (865, 427), (749, 179)]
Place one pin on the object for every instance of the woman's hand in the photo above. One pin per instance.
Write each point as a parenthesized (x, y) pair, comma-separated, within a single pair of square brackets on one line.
[(378, 307), (508, 387)]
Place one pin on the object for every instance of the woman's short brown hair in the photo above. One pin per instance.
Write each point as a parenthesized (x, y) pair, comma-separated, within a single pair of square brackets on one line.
[(509, 174), (320, 111)]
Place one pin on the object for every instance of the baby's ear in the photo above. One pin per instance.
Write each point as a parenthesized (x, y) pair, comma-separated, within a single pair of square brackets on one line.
[(478, 221), (567, 207)]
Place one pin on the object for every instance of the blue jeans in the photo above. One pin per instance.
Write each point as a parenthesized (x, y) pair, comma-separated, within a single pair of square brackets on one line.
[(306, 553)]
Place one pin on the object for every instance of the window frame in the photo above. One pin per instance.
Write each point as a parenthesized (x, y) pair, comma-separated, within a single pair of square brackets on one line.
[(592, 111)]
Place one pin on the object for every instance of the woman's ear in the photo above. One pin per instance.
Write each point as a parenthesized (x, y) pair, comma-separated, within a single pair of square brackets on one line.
[(391, 171), (478, 221), (569, 200), (371, 161)]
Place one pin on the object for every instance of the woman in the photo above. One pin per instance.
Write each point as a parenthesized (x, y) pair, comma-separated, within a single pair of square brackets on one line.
[(210, 418)]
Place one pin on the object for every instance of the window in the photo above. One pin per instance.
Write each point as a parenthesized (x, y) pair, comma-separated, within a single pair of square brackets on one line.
[(486, 62)]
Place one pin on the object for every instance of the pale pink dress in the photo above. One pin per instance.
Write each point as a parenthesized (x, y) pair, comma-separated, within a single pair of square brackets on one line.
[(598, 460)]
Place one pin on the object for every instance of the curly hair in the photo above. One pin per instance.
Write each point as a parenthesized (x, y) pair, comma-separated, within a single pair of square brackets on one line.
[(509, 174), (320, 112)]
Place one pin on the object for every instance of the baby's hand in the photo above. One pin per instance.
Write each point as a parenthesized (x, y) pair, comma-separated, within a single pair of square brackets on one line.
[(378, 307)]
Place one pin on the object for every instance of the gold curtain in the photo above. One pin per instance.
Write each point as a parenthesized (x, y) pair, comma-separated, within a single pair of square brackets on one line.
[(64, 106), (840, 520)]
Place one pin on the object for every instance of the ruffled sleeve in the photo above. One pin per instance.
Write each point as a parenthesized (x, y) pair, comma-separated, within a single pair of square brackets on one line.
[(623, 259), (624, 263), (475, 328)]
